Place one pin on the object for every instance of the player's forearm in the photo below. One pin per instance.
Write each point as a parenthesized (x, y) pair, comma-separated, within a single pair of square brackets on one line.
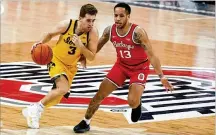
[(100, 45), (102, 42), (155, 62), (46, 38), (87, 53)]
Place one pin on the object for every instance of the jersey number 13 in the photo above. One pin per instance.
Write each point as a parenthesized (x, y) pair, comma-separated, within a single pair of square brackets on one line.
[(125, 54)]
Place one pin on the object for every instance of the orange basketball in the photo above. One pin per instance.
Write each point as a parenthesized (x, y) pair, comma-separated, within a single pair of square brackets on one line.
[(42, 54)]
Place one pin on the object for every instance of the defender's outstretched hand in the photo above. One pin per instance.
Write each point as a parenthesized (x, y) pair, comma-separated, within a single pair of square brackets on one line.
[(166, 84)]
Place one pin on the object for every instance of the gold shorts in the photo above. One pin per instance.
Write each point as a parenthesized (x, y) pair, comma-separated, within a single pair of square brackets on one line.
[(56, 68)]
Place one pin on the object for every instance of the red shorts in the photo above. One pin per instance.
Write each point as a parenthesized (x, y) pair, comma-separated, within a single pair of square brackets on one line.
[(119, 73)]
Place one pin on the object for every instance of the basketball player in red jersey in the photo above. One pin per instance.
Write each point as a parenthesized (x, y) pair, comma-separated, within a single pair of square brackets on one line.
[(134, 55)]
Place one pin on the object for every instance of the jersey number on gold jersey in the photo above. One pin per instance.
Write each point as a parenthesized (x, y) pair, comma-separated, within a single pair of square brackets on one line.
[(72, 50)]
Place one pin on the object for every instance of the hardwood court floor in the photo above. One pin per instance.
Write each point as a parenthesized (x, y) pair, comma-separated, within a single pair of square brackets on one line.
[(177, 39)]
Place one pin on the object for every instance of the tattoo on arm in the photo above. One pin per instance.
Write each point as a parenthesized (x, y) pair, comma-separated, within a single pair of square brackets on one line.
[(104, 38), (93, 106), (138, 37), (106, 33)]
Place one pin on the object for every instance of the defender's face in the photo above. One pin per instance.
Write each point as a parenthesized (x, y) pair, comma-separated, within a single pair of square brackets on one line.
[(87, 22), (120, 17)]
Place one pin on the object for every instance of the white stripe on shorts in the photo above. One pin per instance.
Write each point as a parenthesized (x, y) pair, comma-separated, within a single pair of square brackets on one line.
[(143, 84), (112, 82)]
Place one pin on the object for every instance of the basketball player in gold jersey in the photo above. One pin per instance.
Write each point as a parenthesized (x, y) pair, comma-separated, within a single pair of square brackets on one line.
[(77, 37)]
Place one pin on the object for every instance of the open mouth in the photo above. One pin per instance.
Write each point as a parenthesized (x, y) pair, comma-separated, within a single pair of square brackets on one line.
[(118, 23)]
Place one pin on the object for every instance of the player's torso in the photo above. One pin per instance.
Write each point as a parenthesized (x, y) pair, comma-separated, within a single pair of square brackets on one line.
[(128, 51), (65, 50)]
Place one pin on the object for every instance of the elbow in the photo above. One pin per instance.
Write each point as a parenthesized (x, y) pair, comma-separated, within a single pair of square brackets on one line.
[(49, 35), (92, 57)]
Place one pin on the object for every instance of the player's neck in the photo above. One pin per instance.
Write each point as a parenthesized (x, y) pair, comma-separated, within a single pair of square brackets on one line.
[(125, 29), (79, 30)]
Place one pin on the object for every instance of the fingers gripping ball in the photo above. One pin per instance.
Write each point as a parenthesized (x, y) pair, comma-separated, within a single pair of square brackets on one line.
[(42, 54)]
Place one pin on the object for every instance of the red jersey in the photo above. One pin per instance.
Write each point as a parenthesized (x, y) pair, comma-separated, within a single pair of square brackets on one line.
[(129, 53)]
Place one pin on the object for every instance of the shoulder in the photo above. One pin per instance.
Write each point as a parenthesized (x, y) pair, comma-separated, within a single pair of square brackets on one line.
[(139, 29), (139, 34), (63, 26), (93, 31), (108, 29), (64, 23)]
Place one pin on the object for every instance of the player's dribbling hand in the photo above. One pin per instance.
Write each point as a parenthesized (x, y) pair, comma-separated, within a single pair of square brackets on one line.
[(166, 84), (35, 45)]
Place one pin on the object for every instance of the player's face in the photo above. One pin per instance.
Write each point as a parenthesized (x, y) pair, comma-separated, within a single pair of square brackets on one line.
[(120, 17), (87, 22)]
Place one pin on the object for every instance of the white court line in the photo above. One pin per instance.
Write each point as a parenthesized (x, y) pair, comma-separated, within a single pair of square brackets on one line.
[(185, 19), (2, 9)]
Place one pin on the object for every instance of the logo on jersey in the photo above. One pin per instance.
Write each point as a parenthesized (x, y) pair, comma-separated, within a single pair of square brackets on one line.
[(69, 41), (194, 95), (122, 45)]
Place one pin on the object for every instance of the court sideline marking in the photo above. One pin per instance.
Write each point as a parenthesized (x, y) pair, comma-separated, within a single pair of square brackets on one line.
[(2, 9)]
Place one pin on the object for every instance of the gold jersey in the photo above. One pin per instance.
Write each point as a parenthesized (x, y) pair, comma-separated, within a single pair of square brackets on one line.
[(65, 50)]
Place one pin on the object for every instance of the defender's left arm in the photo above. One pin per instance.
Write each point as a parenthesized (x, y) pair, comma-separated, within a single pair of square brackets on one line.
[(140, 36)]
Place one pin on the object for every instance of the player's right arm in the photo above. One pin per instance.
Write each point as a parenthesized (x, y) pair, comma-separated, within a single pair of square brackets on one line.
[(57, 30), (104, 38), (141, 37)]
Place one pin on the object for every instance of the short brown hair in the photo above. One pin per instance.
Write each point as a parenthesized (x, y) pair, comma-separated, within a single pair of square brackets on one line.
[(88, 9)]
